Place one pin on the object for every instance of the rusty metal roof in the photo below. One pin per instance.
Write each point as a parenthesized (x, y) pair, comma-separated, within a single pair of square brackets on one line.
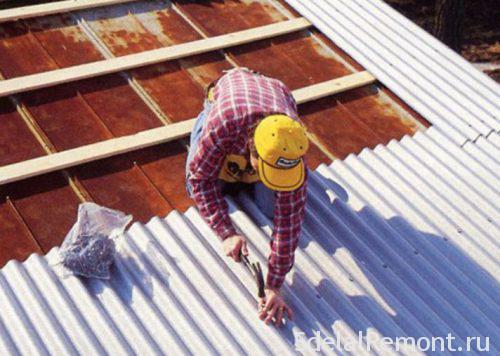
[(150, 182)]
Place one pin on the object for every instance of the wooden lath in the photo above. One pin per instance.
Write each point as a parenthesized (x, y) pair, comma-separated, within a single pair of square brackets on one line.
[(334, 86), (84, 154), (51, 8), (113, 65)]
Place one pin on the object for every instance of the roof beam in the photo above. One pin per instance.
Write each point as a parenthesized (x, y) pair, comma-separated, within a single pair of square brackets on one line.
[(93, 152), (334, 86), (113, 65), (25, 12)]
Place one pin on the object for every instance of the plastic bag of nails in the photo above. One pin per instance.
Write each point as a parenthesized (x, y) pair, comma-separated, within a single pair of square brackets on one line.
[(89, 248)]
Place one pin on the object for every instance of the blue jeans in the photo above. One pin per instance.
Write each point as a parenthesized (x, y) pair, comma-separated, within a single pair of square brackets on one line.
[(263, 196)]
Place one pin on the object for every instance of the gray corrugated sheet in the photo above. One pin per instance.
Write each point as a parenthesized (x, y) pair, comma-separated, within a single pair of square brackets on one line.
[(399, 241), (438, 83)]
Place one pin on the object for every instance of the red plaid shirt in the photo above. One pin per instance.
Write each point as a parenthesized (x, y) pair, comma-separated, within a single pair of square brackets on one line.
[(241, 99)]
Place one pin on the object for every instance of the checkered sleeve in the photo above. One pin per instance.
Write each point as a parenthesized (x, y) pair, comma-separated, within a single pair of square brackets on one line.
[(205, 167), (288, 216)]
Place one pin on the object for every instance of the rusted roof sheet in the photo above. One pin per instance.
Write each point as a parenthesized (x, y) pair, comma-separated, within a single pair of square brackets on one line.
[(400, 241), (151, 182)]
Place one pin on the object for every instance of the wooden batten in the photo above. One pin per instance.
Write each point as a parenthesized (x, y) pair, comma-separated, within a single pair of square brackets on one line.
[(113, 65), (120, 145)]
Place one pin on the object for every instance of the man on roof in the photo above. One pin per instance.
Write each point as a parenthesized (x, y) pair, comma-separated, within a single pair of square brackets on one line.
[(249, 137)]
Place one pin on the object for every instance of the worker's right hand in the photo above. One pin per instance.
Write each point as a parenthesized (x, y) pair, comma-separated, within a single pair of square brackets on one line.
[(233, 245)]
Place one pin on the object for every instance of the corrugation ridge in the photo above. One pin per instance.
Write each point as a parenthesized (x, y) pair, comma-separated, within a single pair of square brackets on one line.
[(15, 317), (194, 313), (305, 265), (7, 345), (63, 307), (489, 150), (37, 310), (380, 160), (467, 113), (411, 254), (153, 320), (443, 164), (453, 82), (426, 209), (438, 172), (427, 318), (387, 260), (351, 45), (100, 320), (444, 263), (138, 319), (446, 54), (494, 138), (437, 144), (485, 151), (491, 141), (367, 194), (461, 211), (304, 289), (167, 300), (125, 319), (335, 265), (467, 167), (214, 294), (239, 277), (451, 193)]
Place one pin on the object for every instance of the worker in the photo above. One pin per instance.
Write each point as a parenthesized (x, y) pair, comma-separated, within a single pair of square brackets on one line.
[(249, 137)]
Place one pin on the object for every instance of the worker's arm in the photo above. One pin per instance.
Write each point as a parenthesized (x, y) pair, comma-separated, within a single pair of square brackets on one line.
[(288, 216), (216, 140)]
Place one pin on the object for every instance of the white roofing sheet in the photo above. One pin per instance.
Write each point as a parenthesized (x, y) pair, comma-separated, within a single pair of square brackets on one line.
[(439, 84), (399, 241)]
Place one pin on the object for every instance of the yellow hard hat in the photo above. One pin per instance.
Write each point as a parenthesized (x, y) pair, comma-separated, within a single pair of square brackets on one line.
[(281, 144)]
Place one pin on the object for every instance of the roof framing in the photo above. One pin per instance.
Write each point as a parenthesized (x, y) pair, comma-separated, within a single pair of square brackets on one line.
[(113, 65), (25, 12), (93, 152)]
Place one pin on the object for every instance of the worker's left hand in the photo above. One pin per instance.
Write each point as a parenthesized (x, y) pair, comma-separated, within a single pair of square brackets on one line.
[(274, 306)]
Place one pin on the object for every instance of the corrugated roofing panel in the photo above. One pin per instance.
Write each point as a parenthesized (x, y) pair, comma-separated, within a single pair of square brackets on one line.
[(430, 77), (396, 242)]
